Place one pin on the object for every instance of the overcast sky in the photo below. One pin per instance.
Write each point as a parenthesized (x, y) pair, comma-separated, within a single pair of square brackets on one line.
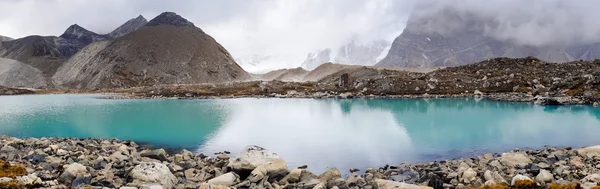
[(286, 30)]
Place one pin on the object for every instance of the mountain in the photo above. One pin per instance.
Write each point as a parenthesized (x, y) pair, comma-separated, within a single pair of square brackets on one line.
[(80, 34), (46, 53), (293, 74), (167, 50), (353, 53), (448, 37), (4, 38), (128, 27), (17, 74)]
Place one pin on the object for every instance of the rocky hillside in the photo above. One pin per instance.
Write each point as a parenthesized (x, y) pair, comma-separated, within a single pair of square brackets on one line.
[(17, 74), (294, 74), (353, 53), (4, 38), (527, 75), (128, 27), (430, 41), (167, 50)]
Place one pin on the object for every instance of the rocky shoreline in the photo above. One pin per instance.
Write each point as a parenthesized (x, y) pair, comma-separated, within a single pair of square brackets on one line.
[(505, 97), (112, 163)]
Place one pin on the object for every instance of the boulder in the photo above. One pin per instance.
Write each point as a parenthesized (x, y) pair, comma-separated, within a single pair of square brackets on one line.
[(494, 177), (71, 172), (592, 178), (330, 174), (276, 169), (469, 175), (513, 159), (544, 176), (212, 186), (386, 184), (152, 173), (590, 151), (228, 179), (158, 154), (519, 178), (259, 162)]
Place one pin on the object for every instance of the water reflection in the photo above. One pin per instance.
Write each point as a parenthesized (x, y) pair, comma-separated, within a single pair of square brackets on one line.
[(342, 133), (319, 133)]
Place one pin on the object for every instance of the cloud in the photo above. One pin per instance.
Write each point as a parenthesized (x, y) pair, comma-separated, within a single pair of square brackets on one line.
[(280, 31), (535, 22)]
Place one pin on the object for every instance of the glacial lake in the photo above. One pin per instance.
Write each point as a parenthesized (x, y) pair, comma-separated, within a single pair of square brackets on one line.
[(321, 133)]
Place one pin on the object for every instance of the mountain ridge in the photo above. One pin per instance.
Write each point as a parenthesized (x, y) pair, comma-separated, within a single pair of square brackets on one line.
[(449, 37)]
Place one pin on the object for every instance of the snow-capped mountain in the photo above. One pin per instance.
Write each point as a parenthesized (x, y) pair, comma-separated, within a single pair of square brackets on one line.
[(353, 53)]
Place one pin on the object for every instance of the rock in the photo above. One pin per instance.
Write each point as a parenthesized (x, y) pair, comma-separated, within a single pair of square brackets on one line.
[(592, 178), (386, 184), (71, 172), (478, 93), (469, 175), (152, 173), (513, 159), (596, 104), (294, 176), (518, 178), (128, 187), (544, 176), (255, 157), (222, 157), (81, 180), (589, 151), (158, 154), (303, 167), (577, 162), (151, 186), (30, 179), (276, 169), (543, 165), (211, 186), (330, 174), (61, 152), (495, 177), (227, 179), (354, 180)]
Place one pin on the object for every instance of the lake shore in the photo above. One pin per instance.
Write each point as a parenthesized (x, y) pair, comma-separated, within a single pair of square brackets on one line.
[(112, 163)]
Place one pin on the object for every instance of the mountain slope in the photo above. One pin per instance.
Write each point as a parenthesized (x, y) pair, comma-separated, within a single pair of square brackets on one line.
[(168, 50), (430, 41), (44, 53), (128, 27), (4, 38), (17, 74)]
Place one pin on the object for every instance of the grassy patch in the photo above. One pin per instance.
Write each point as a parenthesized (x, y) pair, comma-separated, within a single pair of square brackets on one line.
[(13, 184), (12, 171), (564, 186), (525, 184), (575, 92)]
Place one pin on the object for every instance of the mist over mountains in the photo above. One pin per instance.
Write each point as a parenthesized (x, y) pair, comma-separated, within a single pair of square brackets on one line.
[(269, 35)]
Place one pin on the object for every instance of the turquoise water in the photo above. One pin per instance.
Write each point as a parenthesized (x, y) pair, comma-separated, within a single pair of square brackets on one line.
[(320, 133)]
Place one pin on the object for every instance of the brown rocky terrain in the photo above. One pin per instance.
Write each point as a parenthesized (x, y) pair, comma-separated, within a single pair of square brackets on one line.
[(524, 79), (168, 50), (294, 74), (14, 91)]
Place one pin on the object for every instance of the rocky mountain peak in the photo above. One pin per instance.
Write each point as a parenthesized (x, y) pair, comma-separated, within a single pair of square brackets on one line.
[(81, 34), (129, 26), (170, 18)]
